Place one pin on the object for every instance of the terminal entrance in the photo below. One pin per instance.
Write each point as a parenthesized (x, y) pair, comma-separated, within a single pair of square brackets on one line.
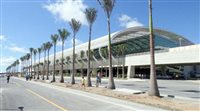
[(162, 72)]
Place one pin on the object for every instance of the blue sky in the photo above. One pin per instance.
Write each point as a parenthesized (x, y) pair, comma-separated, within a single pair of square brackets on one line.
[(29, 23)]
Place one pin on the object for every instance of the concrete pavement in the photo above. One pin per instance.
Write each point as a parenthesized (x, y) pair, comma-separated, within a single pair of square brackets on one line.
[(34, 96), (181, 89)]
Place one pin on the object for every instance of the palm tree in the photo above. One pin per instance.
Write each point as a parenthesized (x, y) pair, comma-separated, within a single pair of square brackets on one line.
[(54, 39), (153, 88), (91, 15), (108, 6), (68, 59), (34, 52), (48, 46), (75, 26), (63, 36), (16, 65), (31, 53), (22, 64), (62, 63), (44, 63), (28, 62), (82, 55), (122, 49), (116, 52), (39, 52), (104, 52), (91, 58)]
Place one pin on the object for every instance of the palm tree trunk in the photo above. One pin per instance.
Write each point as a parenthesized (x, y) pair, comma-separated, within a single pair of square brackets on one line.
[(89, 83), (106, 71), (101, 70), (44, 66), (31, 66), (54, 63), (21, 67), (48, 65), (123, 57), (73, 64), (34, 66), (82, 71), (117, 67), (38, 77), (111, 84), (153, 89), (62, 78)]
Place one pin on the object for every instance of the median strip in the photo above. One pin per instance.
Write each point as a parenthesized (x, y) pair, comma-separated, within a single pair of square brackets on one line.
[(54, 104)]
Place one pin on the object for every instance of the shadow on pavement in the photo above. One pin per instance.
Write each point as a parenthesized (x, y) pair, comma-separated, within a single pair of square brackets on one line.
[(194, 91)]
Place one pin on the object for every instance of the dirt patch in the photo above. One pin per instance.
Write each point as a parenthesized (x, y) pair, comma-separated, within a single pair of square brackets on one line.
[(166, 103)]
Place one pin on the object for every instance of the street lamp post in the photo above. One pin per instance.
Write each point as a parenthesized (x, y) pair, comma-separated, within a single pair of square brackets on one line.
[(180, 42)]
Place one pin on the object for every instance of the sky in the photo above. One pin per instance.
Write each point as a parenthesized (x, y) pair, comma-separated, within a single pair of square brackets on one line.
[(30, 23)]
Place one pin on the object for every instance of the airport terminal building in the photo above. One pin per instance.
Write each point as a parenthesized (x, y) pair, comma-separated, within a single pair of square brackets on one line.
[(174, 55)]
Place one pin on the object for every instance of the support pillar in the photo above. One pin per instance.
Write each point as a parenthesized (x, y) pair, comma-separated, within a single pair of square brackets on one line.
[(131, 72)]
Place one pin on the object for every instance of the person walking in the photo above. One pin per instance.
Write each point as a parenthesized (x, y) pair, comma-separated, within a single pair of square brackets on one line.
[(27, 75), (8, 78), (83, 83), (99, 77), (97, 81)]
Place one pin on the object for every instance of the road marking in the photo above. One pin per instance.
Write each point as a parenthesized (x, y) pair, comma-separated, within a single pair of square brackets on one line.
[(17, 84), (54, 104)]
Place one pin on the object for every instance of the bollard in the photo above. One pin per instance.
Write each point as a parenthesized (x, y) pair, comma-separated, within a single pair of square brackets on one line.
[(21, 108)]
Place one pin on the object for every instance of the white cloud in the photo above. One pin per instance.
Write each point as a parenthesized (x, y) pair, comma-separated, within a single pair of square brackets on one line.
[(15, 48), (67, 9), (7, 60), (126, 21), (2, 38)]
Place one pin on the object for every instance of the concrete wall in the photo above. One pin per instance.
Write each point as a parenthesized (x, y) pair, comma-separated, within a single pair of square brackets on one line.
[(179, 55)]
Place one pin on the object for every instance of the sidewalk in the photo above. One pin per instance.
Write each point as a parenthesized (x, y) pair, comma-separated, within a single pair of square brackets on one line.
[(105, 79), (136, 91), (130, 91)]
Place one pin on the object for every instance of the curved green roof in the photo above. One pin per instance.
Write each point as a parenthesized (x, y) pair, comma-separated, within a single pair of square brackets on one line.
[(136, 39), (135, 32)]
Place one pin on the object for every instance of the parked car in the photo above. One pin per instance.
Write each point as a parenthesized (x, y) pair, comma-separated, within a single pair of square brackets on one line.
[(1, 75)]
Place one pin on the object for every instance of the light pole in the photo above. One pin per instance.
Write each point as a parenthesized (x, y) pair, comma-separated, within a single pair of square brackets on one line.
[(180, 42)]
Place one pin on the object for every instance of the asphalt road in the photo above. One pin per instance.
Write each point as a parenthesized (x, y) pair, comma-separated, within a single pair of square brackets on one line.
[(35, 96), (181, 89)]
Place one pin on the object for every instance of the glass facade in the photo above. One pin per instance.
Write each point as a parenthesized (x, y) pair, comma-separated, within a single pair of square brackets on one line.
[(136, 40), (163, 42), (141, 44)]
